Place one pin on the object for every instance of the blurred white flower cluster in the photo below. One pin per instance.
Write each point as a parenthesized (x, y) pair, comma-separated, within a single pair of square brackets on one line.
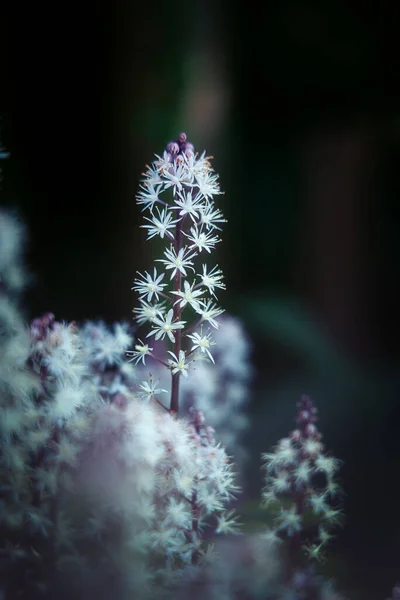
[(104, 492)]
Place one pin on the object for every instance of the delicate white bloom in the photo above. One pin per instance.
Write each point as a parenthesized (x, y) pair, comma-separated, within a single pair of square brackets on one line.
[(208, 184), (202, 240), (210, 217), (140, 352), (327, 465), (152, 176), (187, 205), (148, 195), (149, 389), (165, 326), (284, 454), (318, 503), (312, 447), (177, 262), (198, 165), (281, 482), (212, 279), (314, 552), (175, 176), (209, 312), (303, 472), (66, 401), (289, 520), (188, 296), (147, 312), (150, 285), (227, 523), (160, 225), (178, 365), (203, 343), (178, 514)]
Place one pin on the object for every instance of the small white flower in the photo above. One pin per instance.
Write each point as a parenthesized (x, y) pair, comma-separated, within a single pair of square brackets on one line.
[(210, 217), (149, 389), (165, 326), (177, 262), (148, 195), (212, 279), (202, 240), (203, 343), (188, 296), (178, 365), (208, 185), (152, 176), (227, 523), (147, 312), (163, 163), (318, 503), (209, 312), (289, 520), (140, 352), (160, 225), (187, 205), (150, 285), (175, 176), (327, 465)]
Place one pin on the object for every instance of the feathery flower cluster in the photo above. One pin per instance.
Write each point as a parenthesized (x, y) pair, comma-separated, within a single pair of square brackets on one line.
[(178, 296), (112, 377), (103, 494), (302, 479)]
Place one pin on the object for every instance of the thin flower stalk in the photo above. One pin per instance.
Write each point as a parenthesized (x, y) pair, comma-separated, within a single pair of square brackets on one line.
[(178, 192)]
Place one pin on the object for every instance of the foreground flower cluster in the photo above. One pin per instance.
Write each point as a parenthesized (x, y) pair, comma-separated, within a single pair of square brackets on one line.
[(104, 493)]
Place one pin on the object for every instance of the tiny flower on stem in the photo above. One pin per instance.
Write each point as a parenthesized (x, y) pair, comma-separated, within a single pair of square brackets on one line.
[(212, 279), (177, 262), (188, 296), (202, 240), (178, 364), (187, 205), (160, 225), (165, 326), (203, 343), (140, 352), (150, 285), (147, 312), (149, 389), (148, 195), (209, 311)]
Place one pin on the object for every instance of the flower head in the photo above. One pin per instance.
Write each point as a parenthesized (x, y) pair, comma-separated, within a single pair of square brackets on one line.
[(164, 325), (149, 286), (178, 364)]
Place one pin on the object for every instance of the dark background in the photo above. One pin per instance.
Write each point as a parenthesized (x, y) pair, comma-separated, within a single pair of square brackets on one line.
[(298, 103)]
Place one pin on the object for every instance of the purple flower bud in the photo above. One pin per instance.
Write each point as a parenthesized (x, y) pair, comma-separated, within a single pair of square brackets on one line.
[(187, 148), (173, 148), (182, 137)]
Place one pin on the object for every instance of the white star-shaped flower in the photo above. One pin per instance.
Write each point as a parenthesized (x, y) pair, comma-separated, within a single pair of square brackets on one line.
[(178, 364), (188, 296), (150, 285), (177, 262), (202, 343), (163, 325)]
